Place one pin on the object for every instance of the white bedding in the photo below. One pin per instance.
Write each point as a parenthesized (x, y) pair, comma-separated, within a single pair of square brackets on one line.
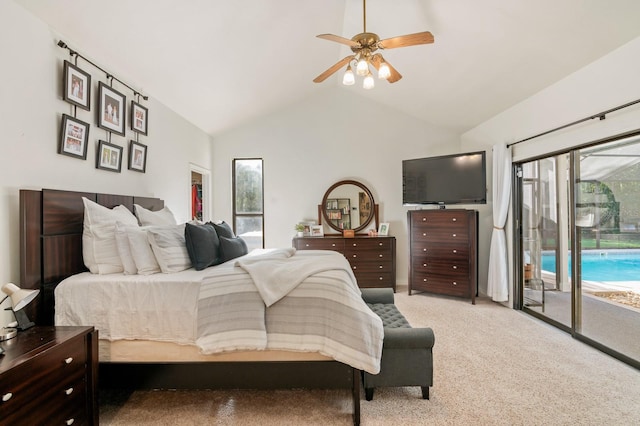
[(323, 314)]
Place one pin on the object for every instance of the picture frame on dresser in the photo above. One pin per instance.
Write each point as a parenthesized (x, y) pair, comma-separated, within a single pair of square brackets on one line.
[(74, 137), (109, 157), (316, 231), (77, 86), (383, 230), (111, 109)]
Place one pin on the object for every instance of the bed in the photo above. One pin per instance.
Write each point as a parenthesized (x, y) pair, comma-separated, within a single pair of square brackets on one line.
[(51, 223)]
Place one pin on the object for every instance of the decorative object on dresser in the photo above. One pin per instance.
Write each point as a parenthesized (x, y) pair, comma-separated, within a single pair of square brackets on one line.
[(48, 375), (443, 251), (348, 204)]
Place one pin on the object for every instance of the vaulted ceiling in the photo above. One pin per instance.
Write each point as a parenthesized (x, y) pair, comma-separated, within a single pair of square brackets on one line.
[(222, 63)]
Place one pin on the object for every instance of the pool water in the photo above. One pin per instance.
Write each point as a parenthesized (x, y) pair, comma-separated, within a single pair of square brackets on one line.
[(603, 265)]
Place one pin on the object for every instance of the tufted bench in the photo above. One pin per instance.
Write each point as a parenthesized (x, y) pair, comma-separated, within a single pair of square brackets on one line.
[(407, 358)]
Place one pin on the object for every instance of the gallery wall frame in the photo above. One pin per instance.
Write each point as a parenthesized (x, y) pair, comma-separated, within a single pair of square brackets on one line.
[(74, 137), (109, 157), (139, 118), (111, 109), (77, 86), (137, 157)]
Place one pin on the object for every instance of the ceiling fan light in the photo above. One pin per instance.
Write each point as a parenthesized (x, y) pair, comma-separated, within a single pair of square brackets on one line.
[(384, 71), (362, 68), (368, 82), (348, 78)]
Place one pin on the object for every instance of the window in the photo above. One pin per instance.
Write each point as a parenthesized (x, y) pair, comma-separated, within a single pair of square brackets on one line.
[(248, 201)]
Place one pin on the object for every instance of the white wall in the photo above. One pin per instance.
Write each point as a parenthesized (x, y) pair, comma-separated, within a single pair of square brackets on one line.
[(602, 85), (31, 108), (309, 146)]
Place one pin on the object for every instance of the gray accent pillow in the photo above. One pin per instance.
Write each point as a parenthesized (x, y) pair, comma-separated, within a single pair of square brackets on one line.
[(203, 245), (223, 229), (230, 248)]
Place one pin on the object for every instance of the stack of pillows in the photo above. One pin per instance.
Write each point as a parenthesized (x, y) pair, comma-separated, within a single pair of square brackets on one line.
[(149, 242)]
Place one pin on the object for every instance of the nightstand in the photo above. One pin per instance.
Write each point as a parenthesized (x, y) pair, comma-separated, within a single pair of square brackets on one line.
[(49, 375)]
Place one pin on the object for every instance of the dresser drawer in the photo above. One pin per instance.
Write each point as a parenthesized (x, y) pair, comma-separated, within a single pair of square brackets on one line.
[(443, 234), (422, 249), (41, 373), (334, 244), (439, 219), (367, 245), (454, 269), (374, 279), (445, 284)]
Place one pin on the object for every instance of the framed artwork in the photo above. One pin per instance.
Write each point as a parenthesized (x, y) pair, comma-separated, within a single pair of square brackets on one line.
[(73, 137), (139, 117), (111, 109), (137, 156), (317, 231), (109, 156), (383, 229), (77, 86)]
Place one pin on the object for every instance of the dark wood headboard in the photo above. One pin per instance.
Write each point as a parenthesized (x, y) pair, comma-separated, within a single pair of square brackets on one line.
[(51, 239)]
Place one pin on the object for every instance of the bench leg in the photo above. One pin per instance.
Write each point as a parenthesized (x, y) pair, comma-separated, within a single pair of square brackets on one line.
[(425, 392), (368, 393)]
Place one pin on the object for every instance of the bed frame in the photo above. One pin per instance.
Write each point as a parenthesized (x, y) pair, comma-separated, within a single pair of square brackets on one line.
[(51, 250)]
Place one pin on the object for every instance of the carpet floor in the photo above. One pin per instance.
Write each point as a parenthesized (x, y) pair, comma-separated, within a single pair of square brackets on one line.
[(492, 366)]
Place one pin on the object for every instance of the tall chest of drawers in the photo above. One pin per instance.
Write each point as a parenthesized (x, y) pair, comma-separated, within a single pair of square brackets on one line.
[(48, 376), (443, 252), (372, 259)]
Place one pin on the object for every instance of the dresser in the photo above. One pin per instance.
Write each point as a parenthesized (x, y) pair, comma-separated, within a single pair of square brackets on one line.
[(443, 252), (48, 376), (372, 259)]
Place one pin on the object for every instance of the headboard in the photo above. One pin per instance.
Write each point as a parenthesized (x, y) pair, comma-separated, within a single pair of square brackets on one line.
[(51, 240)]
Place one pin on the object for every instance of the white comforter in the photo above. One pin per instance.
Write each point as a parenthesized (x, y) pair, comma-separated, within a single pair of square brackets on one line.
[(221, 309)]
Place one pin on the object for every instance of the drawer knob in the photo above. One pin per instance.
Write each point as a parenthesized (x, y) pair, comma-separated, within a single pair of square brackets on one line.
[(455, 251), (455, 283), (424, 279), (380, 266), (333, 245), (355, 244), (454, 219), (454, 235), (355, 255), (424, 219), (380, 255), (424, 264), (7, 396), (424, 234), (380, 244), (424, 249), (68, 360), (455, 267), (306, 245), (69, 422), (68, 391), (355, 267)]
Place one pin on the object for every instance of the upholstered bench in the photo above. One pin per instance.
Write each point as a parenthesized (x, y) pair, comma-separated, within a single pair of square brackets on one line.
[(407, 358)]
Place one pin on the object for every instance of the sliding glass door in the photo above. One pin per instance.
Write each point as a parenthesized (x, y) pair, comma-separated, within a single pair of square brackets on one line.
[(579, 244)]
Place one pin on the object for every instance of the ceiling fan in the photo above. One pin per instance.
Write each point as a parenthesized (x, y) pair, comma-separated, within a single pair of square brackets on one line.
[(364, 46)]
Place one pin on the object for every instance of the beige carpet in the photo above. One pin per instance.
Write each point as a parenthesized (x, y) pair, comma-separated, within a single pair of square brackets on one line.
[(493, 366)]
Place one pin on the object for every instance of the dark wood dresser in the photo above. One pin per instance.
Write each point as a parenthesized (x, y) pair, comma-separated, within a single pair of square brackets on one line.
[(443, 252), (48, 375), (373, 259)]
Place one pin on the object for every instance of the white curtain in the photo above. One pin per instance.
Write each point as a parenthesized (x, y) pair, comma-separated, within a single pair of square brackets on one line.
[(498, 279)]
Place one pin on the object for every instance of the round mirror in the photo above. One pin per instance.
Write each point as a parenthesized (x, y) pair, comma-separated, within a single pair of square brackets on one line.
[(348, 204)]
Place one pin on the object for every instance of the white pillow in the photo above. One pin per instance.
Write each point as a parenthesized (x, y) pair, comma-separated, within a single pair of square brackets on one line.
[(151, 218), (170, 248), (124, 249), (141, 251), (99, 249)]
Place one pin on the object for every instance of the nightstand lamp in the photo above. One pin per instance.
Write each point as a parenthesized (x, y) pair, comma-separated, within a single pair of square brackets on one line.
[(19, 299)]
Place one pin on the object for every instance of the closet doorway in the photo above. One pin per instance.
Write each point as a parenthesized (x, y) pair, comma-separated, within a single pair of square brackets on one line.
[(199, 195)]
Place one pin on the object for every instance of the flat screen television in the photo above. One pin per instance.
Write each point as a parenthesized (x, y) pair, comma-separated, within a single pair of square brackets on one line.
[(446, 179)]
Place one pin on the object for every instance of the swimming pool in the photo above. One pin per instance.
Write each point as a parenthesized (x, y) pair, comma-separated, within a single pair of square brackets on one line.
[(603, 265)]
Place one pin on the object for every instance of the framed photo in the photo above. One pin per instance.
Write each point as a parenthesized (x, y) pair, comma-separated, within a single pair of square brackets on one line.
[(317, 231), (139, 117), (383, 229), (111, 109), (77, 86), (73, 137), (137, 156), (109, 156)]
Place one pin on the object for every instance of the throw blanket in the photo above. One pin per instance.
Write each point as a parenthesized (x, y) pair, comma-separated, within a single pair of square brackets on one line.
[(323, 312), (276, 273)]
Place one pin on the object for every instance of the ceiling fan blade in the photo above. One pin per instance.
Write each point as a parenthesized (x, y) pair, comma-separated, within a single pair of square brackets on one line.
[(406, 40), (339, 39), (377, 59), (322, 77)]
